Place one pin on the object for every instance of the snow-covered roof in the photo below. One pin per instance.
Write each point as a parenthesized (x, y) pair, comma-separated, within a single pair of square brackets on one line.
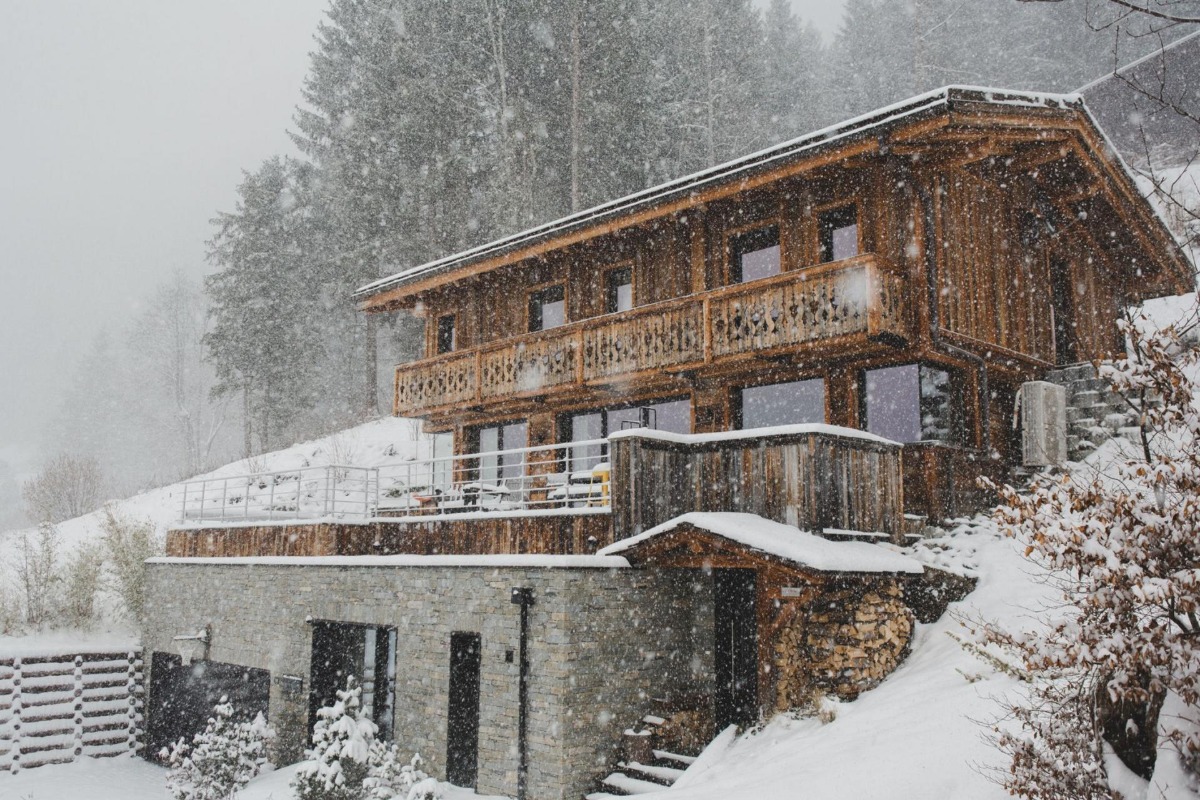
[(782, 541), (513, 561), (752, 433), (802, 145)]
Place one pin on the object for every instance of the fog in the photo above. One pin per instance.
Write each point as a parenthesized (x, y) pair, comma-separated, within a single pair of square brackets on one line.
[(126, 128), (127, 125)]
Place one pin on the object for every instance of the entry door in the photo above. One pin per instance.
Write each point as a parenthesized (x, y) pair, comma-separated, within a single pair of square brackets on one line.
[(735, 648), (367, 654), (462, 734)]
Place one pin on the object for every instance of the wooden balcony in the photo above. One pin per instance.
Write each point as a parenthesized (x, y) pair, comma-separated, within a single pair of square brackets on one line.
[(846, 305)]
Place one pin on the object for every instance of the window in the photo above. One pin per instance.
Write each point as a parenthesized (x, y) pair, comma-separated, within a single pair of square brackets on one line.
[(913, 403), (445, 334), (754, 254), (547, 308), (793, 403), (618, 290), (667, 415), (839, 233), (497, 467)]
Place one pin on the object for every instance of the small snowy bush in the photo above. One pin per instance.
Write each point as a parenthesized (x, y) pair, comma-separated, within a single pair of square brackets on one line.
[(38, 574), (221, 759), (347, 762), (129, 542), (81, 580), (389, 776)]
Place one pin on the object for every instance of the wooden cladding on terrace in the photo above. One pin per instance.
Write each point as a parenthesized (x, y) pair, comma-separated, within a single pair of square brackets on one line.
[(815, 481), (849, 304)]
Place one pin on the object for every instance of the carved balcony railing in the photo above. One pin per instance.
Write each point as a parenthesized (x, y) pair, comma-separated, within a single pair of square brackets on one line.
[(848, 303)]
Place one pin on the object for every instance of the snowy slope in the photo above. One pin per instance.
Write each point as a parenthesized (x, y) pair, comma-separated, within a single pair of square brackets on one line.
[(385, 441)]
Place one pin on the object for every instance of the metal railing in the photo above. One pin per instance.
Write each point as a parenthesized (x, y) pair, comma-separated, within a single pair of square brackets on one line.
[(563, 476), (332, 492)]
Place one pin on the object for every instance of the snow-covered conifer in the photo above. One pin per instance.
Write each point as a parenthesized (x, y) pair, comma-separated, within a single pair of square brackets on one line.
[(221, 759), (347, 762)]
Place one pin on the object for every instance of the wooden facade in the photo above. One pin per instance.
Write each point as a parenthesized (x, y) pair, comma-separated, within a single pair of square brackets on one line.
[(996, 237), (813, 481), (546, 534)]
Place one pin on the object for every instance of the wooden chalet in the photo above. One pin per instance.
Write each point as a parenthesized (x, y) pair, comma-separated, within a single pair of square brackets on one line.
[(903, 273), (699, 407)]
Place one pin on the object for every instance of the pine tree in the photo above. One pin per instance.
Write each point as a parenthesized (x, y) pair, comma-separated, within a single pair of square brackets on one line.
[(339, 761), (262, 341), (793, 75)]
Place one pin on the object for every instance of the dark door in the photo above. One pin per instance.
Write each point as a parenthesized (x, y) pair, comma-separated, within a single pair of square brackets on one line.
[(1065, 344), (337, 655), (735, 648), (182, 697), (462, 735)]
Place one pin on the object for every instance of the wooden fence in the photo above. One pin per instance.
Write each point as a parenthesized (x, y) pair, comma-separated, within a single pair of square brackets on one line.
[(58, 708)]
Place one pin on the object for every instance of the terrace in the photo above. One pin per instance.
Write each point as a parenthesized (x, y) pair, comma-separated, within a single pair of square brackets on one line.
[(559, 499)]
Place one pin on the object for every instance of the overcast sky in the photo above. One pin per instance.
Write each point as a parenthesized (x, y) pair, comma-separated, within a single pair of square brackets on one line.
[(126, 126)]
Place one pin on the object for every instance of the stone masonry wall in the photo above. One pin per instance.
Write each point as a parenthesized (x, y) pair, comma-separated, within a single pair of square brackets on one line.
[(601, 642)]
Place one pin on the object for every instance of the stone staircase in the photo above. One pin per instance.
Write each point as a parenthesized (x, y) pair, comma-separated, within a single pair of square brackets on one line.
[(646, 768), (1094, 413)]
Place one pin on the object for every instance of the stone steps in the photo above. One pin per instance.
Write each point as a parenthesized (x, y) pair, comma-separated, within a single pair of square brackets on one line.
[(1094, 413), (645, 769)]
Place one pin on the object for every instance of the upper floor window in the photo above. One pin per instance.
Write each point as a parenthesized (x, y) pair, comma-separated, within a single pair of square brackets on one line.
[(913, 403), (754, 254), (618, 286), (547, 308), (839, 233), (445, 334), (791, 403)]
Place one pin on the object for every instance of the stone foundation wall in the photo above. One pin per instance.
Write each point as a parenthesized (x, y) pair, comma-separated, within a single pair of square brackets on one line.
[(845, 642), (602, 642)]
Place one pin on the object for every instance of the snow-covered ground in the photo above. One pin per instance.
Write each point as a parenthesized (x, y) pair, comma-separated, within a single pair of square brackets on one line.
[(917, 735), (390, 440), (127, 778)]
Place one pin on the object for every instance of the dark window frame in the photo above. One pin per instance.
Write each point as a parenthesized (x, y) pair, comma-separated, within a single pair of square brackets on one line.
[(390, 634), (749, 240), (958, 419), (440, 345), (501, 446), (737, 408), (536, 298), (612, 290), (831, 219), (564, 420)]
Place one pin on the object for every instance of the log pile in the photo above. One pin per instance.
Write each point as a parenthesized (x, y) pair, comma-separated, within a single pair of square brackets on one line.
[(845, 642)]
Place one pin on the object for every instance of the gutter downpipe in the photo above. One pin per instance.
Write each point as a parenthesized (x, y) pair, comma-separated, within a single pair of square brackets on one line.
[(930, 257), (523, 597)]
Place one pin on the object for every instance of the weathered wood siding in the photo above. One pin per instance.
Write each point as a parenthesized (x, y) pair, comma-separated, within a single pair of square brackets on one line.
[(992, 288), (940, 481), (812, 481), (557, 534)]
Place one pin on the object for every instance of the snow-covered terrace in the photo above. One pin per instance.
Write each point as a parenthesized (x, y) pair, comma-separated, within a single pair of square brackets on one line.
[(571, 498)]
